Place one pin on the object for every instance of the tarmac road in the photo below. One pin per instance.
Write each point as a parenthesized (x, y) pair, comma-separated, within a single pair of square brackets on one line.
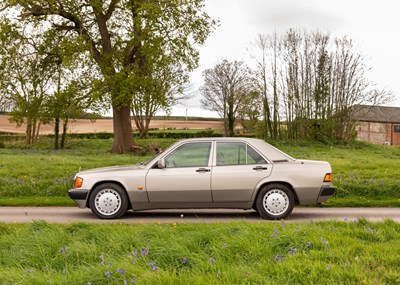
[(299, 214)]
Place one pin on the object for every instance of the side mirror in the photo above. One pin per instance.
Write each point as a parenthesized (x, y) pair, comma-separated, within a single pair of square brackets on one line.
[(161, 163)]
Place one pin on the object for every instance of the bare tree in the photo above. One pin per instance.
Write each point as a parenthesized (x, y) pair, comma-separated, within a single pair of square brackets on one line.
[(225, 89), (315, 82)]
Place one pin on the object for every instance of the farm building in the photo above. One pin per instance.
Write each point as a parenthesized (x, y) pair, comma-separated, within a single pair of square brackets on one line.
[(378, 124)]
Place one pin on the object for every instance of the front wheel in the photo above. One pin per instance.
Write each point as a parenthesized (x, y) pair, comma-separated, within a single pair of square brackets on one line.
[(108, 201), (275, 201)]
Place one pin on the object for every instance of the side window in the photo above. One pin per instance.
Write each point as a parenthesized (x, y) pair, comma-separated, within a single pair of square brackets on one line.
[(237, 154), (189, 155), (254, 157)]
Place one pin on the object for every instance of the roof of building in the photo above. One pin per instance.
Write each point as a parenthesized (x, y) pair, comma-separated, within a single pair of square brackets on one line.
[(380, 114)]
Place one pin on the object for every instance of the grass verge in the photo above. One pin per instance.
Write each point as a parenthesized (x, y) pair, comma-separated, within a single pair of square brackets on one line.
[(363, 174), (340, 252)]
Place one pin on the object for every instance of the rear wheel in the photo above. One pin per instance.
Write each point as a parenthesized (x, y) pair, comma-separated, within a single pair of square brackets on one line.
[(108, 201), (275, 201)]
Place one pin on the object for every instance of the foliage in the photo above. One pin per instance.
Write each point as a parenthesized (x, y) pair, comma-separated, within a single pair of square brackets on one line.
[(341, 252), (124, 41)]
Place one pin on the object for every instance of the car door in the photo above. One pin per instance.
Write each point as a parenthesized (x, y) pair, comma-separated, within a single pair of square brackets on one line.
[(238, 169), (185, 177)]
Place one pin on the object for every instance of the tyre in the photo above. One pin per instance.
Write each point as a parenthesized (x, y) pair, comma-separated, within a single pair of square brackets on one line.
[(108, 201), (275, 201)]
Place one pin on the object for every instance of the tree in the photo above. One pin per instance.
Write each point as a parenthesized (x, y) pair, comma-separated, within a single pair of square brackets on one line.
[(119, 36), (225, 89), (314, 82), (25, 78), (160, 88)]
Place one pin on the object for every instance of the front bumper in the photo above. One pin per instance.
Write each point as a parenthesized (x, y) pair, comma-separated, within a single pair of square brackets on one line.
[(79, 196), (325, 193)]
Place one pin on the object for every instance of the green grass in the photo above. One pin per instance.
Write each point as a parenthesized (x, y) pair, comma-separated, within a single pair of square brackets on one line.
[(364, 174), (341, 252)]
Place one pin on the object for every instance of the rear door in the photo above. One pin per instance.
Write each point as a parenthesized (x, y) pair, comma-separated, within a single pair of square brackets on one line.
[(238, 169)]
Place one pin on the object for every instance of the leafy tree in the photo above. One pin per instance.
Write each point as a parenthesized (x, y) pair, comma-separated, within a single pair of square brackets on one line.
[(25, 79), (226, 90), (120, 36), (159, 88)]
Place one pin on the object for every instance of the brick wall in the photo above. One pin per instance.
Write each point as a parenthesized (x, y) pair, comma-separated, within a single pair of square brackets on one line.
[(376, 133)]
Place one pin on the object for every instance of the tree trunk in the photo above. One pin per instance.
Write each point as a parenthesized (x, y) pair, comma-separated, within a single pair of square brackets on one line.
[(56, 132), (28, 133), (64, 133), (123, 136)]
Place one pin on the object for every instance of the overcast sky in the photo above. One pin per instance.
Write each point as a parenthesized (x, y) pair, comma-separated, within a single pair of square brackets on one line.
[(373, 25)]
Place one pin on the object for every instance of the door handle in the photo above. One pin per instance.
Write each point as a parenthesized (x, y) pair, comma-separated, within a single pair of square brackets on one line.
[(203, 170), (260, 168)]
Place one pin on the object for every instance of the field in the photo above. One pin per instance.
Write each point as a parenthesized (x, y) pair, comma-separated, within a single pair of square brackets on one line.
[(105, 125)]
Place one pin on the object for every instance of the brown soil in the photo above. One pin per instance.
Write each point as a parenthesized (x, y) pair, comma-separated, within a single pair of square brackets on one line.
[(105, 125)]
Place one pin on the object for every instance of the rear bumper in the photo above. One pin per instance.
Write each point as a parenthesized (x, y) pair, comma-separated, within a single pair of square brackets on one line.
[(79, 196), (325, 193)]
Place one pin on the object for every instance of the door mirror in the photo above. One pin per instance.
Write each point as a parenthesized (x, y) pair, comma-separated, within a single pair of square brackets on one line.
[(161, 163)]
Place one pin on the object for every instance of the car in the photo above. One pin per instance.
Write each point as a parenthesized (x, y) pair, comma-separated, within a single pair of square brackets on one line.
[(239, 173)]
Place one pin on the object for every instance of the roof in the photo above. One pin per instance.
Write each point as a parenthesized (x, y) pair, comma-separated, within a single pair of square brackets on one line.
[(381, 114)]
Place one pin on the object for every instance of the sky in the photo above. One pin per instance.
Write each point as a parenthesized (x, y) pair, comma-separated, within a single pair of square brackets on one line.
[(373, 25)]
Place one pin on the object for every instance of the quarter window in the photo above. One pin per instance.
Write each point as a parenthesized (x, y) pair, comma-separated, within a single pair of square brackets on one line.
[(396, 128), (189, 155)]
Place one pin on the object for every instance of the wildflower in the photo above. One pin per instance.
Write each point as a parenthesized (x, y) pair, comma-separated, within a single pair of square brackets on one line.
[(329, 267), (292, 251), (184, 260), (225, 245), (65, 271), (309, 244), (347, 263), (125, 282), (323, 240), (153, 265), (62, 249), (101, 256), (145, 251), (219, 274), (276, 232), (108, 274), (133, 280), (89, 283), (213, 261), (327, 248), (120, 271), (278, 257)]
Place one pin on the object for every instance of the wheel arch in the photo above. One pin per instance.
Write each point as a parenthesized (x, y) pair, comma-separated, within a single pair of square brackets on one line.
[(111, 182), (296, 199)]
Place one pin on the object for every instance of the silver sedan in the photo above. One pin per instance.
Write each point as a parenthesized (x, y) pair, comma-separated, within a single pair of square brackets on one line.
[(242, 173)]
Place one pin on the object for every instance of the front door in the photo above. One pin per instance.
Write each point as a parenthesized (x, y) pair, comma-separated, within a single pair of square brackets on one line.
[(185, 178), (396, 135)]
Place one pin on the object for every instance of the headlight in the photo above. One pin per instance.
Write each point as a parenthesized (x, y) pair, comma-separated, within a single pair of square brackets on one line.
[(78, 182)]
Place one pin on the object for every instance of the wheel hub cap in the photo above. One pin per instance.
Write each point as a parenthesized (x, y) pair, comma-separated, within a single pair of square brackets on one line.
[(276, 202), (108, 202)]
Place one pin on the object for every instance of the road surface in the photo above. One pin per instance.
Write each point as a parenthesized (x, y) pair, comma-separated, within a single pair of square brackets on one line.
[(299, 214)]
